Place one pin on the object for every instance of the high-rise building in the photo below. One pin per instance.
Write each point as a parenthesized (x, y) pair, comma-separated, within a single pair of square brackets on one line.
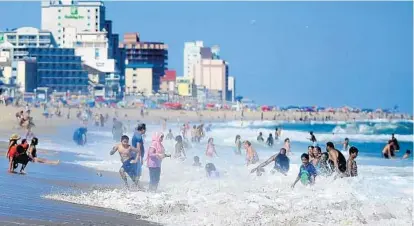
[(67, 17), (213, 74), (139, 54), (194, 52), (82, 25)]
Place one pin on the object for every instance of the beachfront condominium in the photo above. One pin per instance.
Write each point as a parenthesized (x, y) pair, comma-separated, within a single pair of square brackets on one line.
[(213, 74), (145, 64), (62, 17), (194, 52), (82, 25)]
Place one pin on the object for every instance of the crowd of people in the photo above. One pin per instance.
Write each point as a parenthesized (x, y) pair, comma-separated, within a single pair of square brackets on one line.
[(133, 154)]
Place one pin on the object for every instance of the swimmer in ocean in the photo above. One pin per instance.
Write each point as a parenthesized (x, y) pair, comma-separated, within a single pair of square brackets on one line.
[(238, 144), (211, 171), (260, 138), (352, 168), (179, 148), (281, 163), (125, 152), (307, 172), (211, 148), (407, 154), (197, 161), (336, 159), (388, 151), (170, 135), (313, 139), (270, 140)]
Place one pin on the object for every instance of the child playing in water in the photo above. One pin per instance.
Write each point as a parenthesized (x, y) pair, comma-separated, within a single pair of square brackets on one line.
[(169, 136), (270, 140), (287, 146), (196, 161), (179, 148), (251, 154), (211, 149), (211, 171), (351, 166), (307, 172), (238, 144)]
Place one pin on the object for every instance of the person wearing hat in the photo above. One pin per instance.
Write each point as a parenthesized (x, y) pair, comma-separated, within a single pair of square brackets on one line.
[(138, 143), (12, 151)]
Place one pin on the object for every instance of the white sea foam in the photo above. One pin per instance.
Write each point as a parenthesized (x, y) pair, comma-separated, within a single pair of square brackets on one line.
[(381, 195)]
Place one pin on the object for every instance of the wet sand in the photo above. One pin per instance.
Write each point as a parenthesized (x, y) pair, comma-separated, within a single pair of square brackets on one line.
[(22, 202)]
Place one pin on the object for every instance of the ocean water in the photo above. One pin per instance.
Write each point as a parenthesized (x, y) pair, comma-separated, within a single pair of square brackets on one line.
[(382, 194)]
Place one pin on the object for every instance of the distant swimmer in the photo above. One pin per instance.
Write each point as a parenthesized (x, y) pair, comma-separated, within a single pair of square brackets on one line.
[(260, 138), (251, 155), (396, 144), (277, 133), (179, 148), (307, 172), (336, 159), (407, 154), (313, 139), (79, 136), (197, 161), (270, 140), (281, 163), (238, 144), (117, 129), (287, 146), (125, 152), (345, 145), (389, 150), (211, 148), (170, 135), (352, 168), (211, 171)]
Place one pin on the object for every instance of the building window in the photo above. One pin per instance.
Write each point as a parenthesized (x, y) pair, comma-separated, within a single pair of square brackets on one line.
[(89, 10), (59, 10), (59, 17), (134, 81), (134, 75), (58, 24)]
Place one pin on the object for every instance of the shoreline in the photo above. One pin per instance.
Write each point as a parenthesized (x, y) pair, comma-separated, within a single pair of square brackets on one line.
[(22, 201)]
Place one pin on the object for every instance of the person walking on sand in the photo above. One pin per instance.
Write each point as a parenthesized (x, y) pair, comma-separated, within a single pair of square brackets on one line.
[(211, 149), (155, 155), (125, 152)]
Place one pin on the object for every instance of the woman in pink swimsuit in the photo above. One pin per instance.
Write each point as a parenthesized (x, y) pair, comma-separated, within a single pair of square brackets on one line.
[(211, 149)]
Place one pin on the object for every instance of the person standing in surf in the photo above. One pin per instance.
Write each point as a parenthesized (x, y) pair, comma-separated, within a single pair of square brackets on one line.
[(138, 143), (238, 144), (128, 160), (389, 150), (251, 154), (313, 139), (352, 168), (117, 129), (155, 155), (270, 140), (287, 146), (211, 148), (396, 144), (336, 159)]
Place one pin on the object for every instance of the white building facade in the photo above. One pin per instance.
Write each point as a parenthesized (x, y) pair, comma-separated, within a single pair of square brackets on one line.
[(66, 18)]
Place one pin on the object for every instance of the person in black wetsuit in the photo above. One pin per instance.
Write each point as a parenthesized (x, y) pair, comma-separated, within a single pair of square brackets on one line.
[(281, 163), (336, 160)]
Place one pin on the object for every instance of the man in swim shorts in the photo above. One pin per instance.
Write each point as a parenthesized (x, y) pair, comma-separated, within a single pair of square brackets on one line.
[(336, 159), (128, 160)]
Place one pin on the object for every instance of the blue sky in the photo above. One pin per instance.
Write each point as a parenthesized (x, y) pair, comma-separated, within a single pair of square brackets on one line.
[(281, 53)]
